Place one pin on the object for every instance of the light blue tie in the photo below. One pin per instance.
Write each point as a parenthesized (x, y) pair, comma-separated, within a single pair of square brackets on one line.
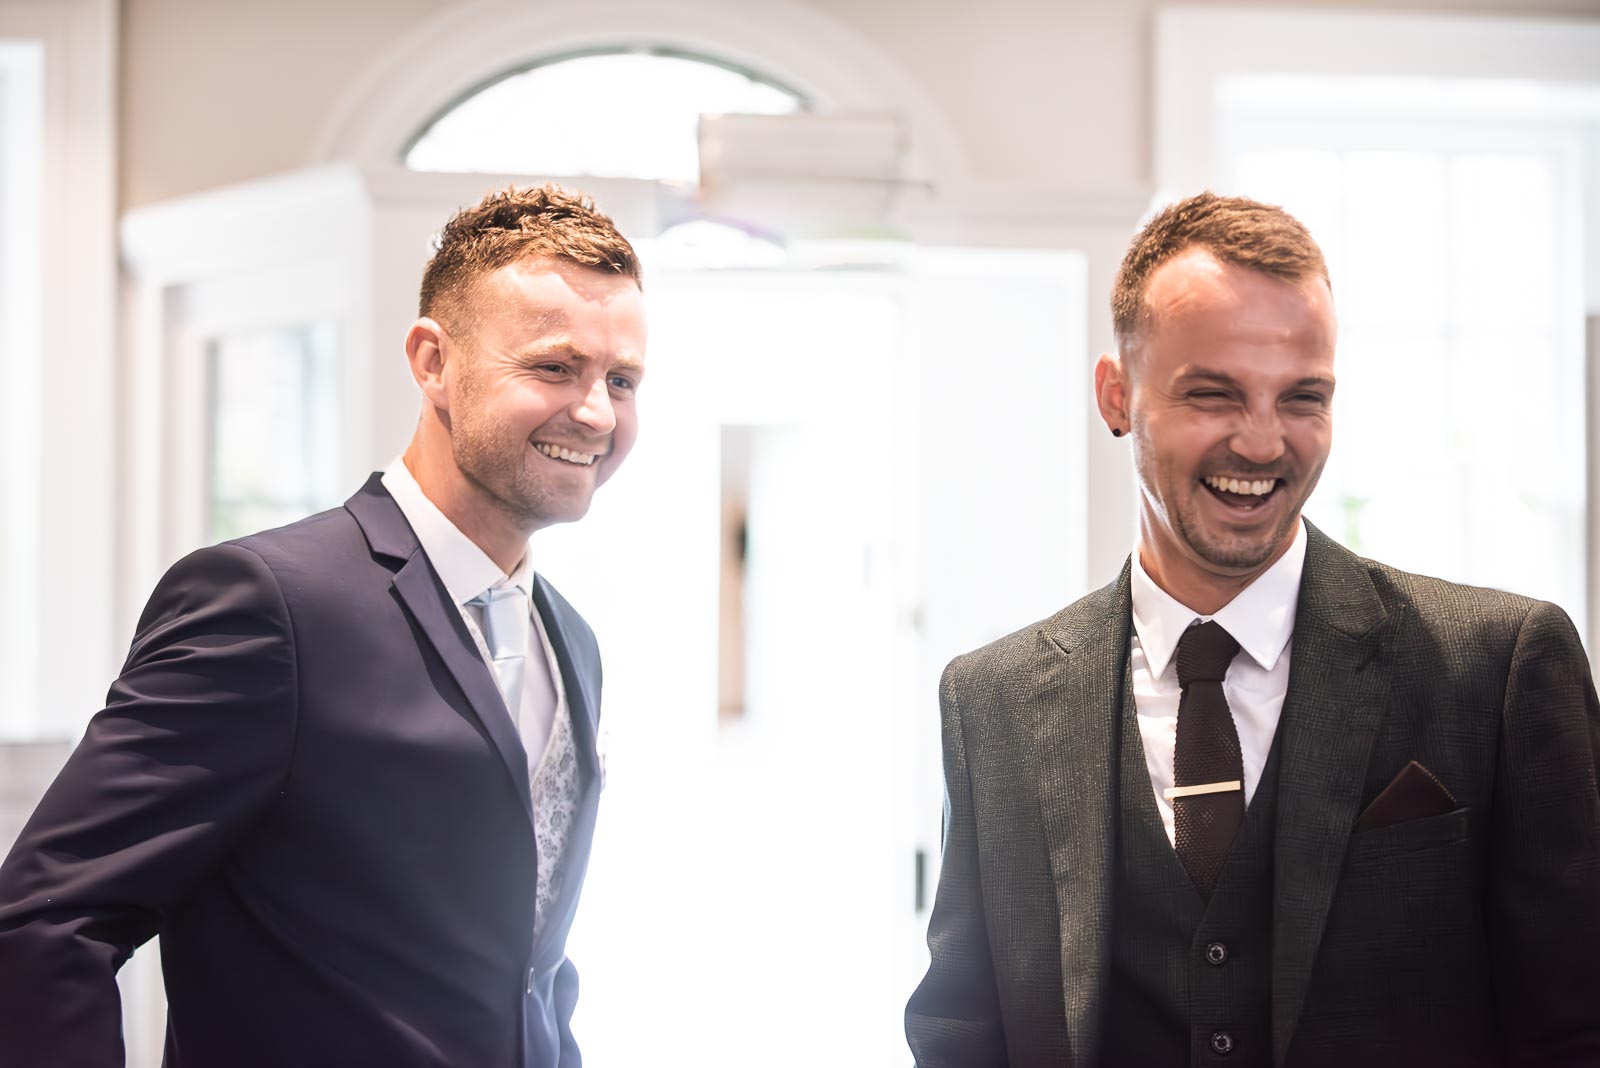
[(505, 630), (553, 771)]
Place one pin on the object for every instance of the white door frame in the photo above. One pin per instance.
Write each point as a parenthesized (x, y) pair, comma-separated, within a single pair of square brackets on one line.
[(67, 497)]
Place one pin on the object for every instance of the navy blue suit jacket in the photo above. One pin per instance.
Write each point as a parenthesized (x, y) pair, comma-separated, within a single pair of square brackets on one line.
[(306, 782)]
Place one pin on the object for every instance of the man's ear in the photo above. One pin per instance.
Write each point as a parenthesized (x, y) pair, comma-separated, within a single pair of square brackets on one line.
[(1111, 393), (426, 351)]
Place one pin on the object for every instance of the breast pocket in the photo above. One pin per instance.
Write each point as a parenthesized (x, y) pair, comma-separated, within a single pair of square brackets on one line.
[(1407, 909), (1411, 836), (1411, 888)]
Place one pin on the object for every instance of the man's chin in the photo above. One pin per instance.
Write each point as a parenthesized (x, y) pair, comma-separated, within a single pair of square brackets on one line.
[(553, 513), (1240, 554), (1237, 559)]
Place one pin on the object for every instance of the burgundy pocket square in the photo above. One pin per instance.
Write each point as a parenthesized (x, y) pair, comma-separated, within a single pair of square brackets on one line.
[(1412, 795)]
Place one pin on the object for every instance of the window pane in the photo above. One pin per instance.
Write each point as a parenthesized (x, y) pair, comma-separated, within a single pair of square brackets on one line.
[(1397, 240), (1392, 472), (1306, 182), (1459, 439), (1507, 206), (274, 436), (619, 115)]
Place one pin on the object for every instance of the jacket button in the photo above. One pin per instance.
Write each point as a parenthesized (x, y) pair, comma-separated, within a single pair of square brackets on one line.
[(1216, 953), (530, 983), (1221, 1043)]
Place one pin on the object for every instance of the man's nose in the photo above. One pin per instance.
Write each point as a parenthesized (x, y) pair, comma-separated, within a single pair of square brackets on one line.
[(593, 409), (1259, 439)]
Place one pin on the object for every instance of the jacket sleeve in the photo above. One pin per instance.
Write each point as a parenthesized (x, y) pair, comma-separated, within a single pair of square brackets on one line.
[(953, 1018), (1544, 906), (192, 745)]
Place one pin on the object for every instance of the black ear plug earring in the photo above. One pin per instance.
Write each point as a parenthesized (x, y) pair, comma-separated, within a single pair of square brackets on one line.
[(1116, 431)]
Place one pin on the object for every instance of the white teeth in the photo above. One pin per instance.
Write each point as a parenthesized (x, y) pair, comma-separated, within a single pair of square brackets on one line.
[(1258, 488), (556, 452)]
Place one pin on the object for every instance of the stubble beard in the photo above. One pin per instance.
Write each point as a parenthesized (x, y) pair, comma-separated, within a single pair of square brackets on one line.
[(485, 457), (1233, 553), (1222, 551), (494, 458)]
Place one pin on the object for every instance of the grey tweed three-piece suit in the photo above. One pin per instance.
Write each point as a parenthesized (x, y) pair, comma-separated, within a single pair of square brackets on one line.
[(1470, 937)]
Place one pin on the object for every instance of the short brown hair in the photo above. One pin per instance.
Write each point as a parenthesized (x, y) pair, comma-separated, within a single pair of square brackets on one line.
[(1237, 230), (507, 226)]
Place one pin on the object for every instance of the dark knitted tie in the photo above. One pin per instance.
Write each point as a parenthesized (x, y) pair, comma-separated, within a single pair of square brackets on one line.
[(1207, 760)]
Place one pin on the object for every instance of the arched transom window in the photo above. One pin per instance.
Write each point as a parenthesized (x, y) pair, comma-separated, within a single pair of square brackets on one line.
[(610, 114)]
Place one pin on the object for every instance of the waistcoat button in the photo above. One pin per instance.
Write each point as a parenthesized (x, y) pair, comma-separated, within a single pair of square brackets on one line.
[(1222, 1043), (1216, 953)]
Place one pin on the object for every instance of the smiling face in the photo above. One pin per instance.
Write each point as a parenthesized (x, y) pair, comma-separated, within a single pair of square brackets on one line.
[(1227, 391), (541, 395)]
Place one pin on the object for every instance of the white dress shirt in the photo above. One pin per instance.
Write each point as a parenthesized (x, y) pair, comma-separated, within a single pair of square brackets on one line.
[(467, 571), (1261, 620)]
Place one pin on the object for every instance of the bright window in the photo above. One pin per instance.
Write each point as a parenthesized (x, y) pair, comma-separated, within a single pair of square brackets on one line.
[(279, 386), (1448, 214), (610, 115)]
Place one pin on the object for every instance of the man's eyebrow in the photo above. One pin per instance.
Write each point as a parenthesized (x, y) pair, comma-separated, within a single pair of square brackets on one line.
[(566, 349), (1312, 381), (1201, 374), (556, 347)]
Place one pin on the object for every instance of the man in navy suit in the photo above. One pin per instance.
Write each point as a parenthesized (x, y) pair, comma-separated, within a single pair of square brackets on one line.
[(348, 773)]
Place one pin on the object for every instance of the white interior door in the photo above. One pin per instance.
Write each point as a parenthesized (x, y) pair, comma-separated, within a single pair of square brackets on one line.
[(746, 862), (911, 450)]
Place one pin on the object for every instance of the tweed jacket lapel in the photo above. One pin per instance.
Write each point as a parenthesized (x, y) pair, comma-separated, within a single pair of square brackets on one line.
[(1338, 689), (1074, 712)]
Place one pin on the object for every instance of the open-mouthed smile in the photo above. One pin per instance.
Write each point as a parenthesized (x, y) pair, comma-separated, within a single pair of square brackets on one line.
[(1244, 493), (565, 455)]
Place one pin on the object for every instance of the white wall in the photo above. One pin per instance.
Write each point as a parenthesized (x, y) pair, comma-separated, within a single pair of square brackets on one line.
[(1051, 94)]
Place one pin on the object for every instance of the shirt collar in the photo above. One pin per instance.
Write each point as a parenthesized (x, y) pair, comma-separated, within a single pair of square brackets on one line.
[(465, 569), (1260, 617)]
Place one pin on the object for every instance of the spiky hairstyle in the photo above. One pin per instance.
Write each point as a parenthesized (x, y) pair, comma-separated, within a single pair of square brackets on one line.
[(1248, 233), (510, 225)]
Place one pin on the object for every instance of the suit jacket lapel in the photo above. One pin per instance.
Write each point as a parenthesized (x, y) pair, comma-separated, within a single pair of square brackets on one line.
[(1338, 688), (583, 706), (1074, 712), (576, 670), (425, 597)]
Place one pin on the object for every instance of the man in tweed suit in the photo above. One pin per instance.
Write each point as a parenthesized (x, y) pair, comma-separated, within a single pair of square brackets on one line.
[(1365, 831)]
